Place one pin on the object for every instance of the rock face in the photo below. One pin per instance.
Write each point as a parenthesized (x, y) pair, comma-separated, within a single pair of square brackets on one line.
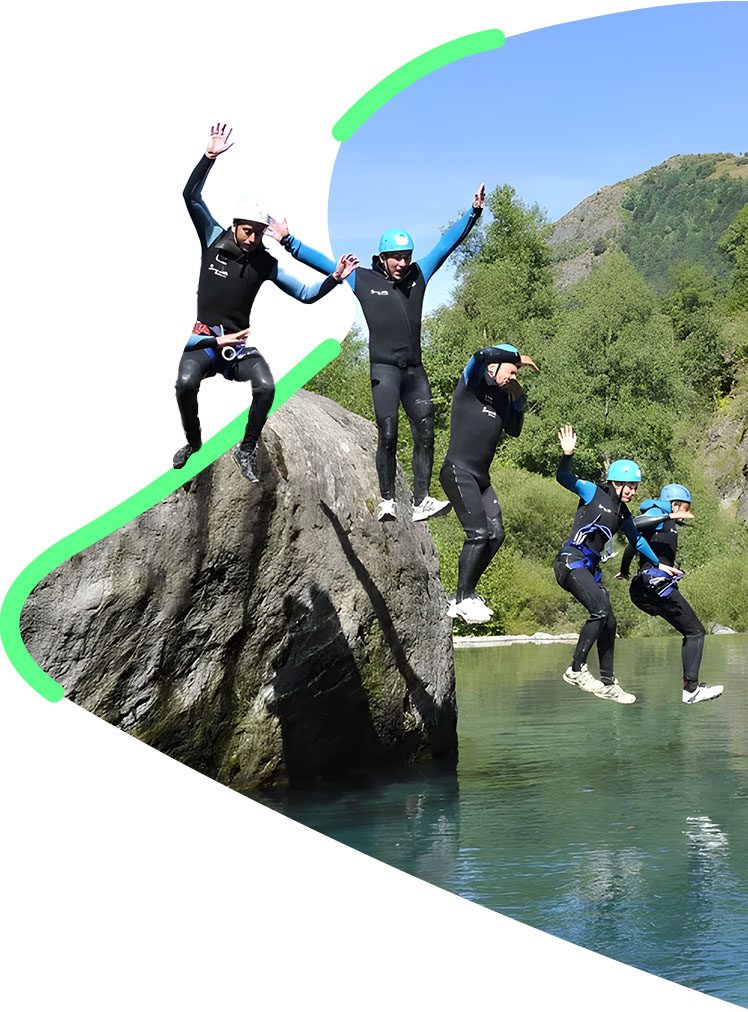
[(267, 633)]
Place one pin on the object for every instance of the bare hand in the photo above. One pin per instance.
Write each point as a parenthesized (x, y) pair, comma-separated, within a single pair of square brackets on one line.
[(236, 338), (346, 265), (218, 142), (568, 439), (480, 197), (277, 229), (670, 570), (526, 360)]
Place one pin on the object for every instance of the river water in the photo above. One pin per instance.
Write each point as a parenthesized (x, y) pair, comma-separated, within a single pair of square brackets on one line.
[(620, 828)]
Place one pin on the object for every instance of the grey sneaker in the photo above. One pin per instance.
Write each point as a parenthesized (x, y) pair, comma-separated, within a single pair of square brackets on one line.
[(182, 456), (430, 507), (246, 462), (583, 679), (702, 692), (615, 693)]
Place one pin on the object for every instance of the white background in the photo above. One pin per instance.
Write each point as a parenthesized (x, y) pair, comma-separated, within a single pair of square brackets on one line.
[(128, 880)]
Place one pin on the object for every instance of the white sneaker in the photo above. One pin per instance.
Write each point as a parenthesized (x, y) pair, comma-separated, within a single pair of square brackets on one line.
[(615, 693), (702, 692), (583, 679), (452, 606), (472, 610), (430, 507), (386, 510)]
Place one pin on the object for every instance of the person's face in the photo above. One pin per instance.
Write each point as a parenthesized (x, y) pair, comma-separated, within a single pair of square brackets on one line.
[(396, 264), (502, 372), (625, 490), (248, 234), (682, 510)]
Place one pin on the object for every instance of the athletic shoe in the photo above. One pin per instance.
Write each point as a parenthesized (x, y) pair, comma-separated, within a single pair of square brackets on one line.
[(472, 610), (429, 507), (386, 510), (246, 462), (615, 693), (583, 679), (702, 692), (182, 456), (452, 605)]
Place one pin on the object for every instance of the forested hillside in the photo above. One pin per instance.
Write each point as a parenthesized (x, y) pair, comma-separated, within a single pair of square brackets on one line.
[(646, 354)]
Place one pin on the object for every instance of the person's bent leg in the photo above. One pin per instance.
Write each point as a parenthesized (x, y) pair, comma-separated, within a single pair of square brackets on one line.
[(606, 642), (256, 370), (463, 491), (676, 610), (194, 366), (580, 583)]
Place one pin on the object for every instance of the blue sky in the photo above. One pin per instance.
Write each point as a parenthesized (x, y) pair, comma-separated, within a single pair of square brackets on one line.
[(557, 113)]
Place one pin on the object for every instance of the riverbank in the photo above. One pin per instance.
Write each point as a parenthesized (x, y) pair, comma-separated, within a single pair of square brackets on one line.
[(496, 641)]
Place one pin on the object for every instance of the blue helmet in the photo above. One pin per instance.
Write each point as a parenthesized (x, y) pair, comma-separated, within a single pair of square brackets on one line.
[(396, 240), (624, 470), (679, 492)]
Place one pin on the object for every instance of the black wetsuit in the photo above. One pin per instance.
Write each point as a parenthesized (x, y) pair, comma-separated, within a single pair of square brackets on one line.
[(393, 310), (576, 567), (656, 594), (481, 412), (230, 279)]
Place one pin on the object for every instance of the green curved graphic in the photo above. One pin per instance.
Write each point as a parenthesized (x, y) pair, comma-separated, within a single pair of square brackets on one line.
[(395, 82), (113, 519)]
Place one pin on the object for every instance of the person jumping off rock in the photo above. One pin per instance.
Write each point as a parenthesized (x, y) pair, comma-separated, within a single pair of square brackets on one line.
[(234, 265), (391, 295), (655, 592), (601, 512), (487, 401)]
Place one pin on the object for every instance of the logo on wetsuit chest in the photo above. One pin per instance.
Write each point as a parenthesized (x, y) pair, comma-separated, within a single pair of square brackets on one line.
[(375, 292), (489, 411), (216, 270)]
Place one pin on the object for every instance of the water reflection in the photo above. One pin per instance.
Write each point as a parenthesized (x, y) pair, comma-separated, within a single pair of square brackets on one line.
[(621, 828)]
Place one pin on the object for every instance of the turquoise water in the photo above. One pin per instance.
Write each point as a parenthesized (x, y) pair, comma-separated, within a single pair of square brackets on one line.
[(621, 828)]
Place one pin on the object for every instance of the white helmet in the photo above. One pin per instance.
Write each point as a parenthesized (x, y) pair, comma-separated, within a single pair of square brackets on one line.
[(251, 209)]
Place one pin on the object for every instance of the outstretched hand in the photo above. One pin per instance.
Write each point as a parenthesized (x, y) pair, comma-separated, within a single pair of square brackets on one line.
[(480, 197), (670, 570), (219, 141), (346, 265), (526, 360), (568, 439), (238, 337), (277, 229)]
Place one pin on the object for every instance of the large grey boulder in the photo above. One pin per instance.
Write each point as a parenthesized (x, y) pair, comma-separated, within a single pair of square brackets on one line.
[(265, 633)]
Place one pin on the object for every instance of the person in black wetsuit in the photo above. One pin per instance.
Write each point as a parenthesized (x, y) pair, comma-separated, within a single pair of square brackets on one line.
[(601, 512), (234, 265), (391, 296), (487, 401), (654, 592)]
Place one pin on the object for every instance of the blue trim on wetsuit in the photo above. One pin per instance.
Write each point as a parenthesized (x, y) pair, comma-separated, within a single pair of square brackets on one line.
[(312, 258)]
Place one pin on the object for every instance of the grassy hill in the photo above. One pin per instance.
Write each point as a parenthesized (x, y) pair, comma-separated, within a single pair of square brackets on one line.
[(672, 213)]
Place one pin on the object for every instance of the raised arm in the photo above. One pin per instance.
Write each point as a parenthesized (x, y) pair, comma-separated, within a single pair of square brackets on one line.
[(304, 254), (207, 227), (564, 476), (452, 238), (312, 293)]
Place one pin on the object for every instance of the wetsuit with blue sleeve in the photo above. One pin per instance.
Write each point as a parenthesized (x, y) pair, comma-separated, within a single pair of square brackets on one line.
[(393, 311), (229, 281), (577, 566), (481, 412), (655, 592)]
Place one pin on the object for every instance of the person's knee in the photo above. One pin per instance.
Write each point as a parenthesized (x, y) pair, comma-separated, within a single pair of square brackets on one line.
[(388, 433), (263, 390), (188, 382)]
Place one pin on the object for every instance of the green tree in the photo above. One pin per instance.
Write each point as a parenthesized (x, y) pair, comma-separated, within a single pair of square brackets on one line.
[(734, 248)]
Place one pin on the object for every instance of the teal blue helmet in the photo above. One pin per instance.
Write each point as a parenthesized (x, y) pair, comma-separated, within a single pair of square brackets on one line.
[(624, 470), (396, 240), (679, 492)]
